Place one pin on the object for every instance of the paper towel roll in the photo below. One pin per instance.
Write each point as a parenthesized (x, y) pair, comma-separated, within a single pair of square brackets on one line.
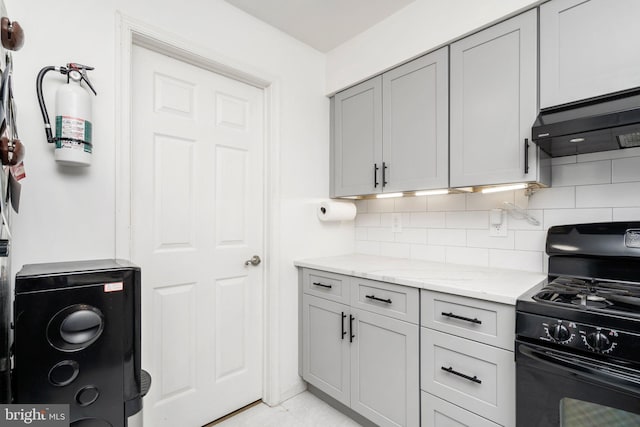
[(336, 211)]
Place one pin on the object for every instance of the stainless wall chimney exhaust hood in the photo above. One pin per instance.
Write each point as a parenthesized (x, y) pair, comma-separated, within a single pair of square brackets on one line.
[(608, 122)]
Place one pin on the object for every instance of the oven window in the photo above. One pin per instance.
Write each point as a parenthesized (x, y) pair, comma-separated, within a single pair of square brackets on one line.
[(578, 413)]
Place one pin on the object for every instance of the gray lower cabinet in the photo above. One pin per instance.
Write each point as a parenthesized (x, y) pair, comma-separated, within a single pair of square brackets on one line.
[(493, 105), (390, 133), (365, 360), (467, 362), (587, 48), (325, 353)]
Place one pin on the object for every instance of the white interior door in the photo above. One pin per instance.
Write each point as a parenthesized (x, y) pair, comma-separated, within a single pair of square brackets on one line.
[(197, 216)]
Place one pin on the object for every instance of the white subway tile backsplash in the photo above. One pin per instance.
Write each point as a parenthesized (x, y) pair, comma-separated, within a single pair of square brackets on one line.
[(553, 198), (519, 222), (563, 160), (367, 248), (626, 170), (623, 195), (446, 237), (575, 216), (516, 260), (412, 235), (396, 250), (481, 239), (582, 173), (428, 253), (361, 233), (361, 206), (380, 205), (530, 240), (380, 234), (596, 187), (467, 256), (368, 220), (626, 214), (428, 219), (386, 219), (411, 204), (447, 202), (479, 201), (609, 155), (467, 219)]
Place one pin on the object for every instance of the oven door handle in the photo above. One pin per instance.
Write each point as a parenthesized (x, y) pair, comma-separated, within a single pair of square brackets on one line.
[(609, 377)]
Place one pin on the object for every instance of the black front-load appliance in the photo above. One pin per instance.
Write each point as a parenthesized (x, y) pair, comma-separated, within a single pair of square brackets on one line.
[(77, 339), (578, 337)]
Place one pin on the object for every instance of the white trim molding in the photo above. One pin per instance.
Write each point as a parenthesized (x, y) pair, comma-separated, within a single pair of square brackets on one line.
[(131, 32)]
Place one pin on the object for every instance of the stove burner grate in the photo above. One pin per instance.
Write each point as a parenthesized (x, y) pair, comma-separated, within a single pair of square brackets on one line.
[(592, 294)]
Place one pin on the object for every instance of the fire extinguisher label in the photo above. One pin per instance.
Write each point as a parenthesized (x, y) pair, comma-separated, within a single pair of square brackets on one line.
[(73, 128)]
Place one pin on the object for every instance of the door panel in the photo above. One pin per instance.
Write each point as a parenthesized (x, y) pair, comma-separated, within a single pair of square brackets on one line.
[(197, 215), (384, 370), (325, 347)]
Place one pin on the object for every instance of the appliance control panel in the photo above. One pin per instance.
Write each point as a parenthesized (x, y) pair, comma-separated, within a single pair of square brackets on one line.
[(605, 341)]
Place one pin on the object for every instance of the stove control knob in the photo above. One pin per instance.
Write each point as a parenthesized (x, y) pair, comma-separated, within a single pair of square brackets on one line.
[(599, 342), (559, 332)]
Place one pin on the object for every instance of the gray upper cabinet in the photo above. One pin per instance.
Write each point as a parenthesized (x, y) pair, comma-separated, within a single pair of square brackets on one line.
[(415, 118), (587, 48), (493, 105), (357, 139), (390, 133)]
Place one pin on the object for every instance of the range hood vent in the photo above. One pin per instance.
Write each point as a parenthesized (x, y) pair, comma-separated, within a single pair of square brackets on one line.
[(604, 123)]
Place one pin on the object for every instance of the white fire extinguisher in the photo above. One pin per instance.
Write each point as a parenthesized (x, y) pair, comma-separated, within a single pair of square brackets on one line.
[(73, 133)]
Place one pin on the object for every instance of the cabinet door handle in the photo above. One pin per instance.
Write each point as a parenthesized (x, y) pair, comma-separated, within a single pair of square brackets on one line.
[(526, 156), (466, 377), (373, 297), (375, 175), (344, 316), (351, 335), (322, 285), (384, 174), (468, 319)]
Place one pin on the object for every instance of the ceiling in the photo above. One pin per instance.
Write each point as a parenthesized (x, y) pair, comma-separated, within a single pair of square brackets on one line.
[(322, 24)]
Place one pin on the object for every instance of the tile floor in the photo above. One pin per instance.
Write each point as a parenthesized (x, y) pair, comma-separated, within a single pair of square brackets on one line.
[(303, 410)]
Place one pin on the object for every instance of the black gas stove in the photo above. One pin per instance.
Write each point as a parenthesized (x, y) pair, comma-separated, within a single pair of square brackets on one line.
[(578, 335)]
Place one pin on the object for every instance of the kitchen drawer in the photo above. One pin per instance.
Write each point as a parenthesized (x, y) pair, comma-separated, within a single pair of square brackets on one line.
[(478, 377), (399, 302), (440, 413), (484, 321), (327, 285)]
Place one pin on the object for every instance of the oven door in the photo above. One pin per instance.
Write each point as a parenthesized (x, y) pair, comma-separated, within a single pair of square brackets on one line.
[(554, 388)]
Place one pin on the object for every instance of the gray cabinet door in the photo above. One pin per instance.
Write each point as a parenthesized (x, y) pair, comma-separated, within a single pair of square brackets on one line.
[(588, 48), (325, 349), (494, 103), (416, 124), (384, 370), (357, 139)]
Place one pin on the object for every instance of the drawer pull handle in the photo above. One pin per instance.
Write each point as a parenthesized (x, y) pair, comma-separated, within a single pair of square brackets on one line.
[(322, 284), (466, 377), (373, 297), (455, 316), (344, 316)]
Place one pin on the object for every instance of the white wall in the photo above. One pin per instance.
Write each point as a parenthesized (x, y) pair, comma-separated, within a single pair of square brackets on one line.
[(410, 32), (70, 214), (455, 228)]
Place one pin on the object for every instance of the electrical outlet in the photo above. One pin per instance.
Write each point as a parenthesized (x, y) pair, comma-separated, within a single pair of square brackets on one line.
[(396, 223), (498, 228)]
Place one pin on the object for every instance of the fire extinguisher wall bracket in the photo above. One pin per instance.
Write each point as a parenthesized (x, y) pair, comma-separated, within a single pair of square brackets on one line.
[(73, 126)]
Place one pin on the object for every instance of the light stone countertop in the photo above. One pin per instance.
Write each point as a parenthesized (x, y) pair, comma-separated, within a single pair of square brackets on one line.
[(491, 284)]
